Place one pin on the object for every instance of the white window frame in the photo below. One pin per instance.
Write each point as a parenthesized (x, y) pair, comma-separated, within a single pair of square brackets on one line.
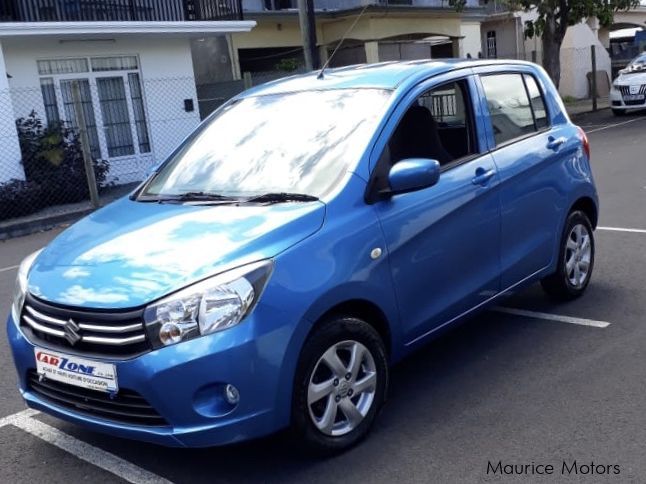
[(91, 77)]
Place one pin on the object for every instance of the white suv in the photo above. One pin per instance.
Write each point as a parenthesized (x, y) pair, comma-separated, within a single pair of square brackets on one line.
[(628, 91)]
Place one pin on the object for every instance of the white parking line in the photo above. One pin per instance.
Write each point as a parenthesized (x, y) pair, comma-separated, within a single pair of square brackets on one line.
[(552, 317), (10, 268), (620, 229), (84, 451), (608, 126), (9, 419)]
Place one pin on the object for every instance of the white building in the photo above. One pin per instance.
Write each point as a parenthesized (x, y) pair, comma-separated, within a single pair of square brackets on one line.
[(130, 60)]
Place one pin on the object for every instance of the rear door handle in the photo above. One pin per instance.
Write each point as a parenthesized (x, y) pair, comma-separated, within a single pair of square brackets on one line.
[(483, 175), (555, 143)]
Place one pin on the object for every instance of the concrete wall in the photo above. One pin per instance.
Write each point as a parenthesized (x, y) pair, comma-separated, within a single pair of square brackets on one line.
[(576, 60), (285, 32), (371, 29), (507, 37), (166, 71), (211, 59), (10, 166), (471, 45)]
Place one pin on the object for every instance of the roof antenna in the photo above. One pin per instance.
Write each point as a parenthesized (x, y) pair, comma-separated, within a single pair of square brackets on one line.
[(327, 62)]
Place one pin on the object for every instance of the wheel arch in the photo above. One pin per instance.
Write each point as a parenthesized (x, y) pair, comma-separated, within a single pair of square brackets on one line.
[(363, 309), (589, 207)]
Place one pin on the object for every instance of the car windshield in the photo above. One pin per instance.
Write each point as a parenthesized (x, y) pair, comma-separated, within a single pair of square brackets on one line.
[(297, 143)]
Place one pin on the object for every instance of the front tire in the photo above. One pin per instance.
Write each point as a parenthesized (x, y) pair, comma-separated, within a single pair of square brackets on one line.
[(619, 112), (340, 385), (576, 260)]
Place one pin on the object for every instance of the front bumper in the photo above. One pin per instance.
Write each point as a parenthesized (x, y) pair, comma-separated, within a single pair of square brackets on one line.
[(182, 383)]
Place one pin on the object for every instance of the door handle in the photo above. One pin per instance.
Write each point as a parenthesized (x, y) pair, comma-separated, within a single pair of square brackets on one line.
[(483, 176), (555, 143)]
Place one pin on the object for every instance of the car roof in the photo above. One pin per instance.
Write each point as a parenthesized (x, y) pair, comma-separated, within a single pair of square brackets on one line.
[(384, 75)]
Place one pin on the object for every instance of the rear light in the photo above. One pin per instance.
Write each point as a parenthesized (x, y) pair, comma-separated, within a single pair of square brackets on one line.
[(584, 139)]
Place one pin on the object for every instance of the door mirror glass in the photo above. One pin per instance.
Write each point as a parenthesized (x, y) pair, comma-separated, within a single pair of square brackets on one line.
[(413, 174)]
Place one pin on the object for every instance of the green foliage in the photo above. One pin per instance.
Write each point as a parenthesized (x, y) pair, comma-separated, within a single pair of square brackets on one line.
[(458, 4), (287, 65), (54, 169), (53, 153)]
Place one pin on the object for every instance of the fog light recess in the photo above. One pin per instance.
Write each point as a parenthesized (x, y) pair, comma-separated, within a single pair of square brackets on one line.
[(216, 399)]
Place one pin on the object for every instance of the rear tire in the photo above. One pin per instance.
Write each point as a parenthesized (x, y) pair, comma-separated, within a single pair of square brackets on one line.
[(576, 260), (340, 385)]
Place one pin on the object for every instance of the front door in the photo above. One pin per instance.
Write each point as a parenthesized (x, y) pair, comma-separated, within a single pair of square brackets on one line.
[(443, 241)]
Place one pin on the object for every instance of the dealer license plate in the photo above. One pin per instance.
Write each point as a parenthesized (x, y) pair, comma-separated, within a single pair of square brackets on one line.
[(94, 375), (634, 97)]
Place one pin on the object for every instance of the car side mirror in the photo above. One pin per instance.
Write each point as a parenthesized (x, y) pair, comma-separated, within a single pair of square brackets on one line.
[(413, 174)]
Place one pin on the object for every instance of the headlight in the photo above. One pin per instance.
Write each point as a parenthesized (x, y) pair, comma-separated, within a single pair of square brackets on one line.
[(214, 304), (20, 291)]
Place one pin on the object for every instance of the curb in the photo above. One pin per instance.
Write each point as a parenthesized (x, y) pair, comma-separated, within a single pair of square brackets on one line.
[(28, 227), (583, 113)]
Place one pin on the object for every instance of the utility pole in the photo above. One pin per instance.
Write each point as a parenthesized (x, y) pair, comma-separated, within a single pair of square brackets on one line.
[(85, 145), (308, 34)]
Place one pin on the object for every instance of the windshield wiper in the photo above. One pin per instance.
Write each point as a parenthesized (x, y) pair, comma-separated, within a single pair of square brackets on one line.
[(189, 197), (280, 197)]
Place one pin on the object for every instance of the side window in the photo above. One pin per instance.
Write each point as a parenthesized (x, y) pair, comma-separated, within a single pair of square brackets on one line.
[(538, 105), (437, 125), (511, 114)]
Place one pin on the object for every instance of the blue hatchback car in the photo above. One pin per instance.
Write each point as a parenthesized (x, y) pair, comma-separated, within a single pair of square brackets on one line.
[(309, 234)]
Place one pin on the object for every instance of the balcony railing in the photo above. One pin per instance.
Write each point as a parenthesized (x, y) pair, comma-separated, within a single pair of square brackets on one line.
[(118, 10), (261, 5)]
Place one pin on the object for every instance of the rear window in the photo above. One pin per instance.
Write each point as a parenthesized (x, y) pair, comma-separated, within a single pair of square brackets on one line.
[(512, 113)]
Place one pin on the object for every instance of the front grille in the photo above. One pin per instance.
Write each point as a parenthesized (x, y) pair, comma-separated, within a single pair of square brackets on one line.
[(99, 333), (126, 406), (625, 90)]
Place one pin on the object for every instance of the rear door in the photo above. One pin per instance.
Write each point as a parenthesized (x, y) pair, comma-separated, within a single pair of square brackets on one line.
[(530, 153)]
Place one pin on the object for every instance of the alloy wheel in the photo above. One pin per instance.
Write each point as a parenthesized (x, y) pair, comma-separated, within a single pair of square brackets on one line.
[(578, 255), (342, 388)]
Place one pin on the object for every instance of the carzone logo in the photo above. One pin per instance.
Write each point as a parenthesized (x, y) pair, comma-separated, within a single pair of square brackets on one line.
[(64, 363)]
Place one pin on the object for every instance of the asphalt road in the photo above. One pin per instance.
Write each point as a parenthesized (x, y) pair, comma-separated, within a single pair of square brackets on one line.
[(501, 387)]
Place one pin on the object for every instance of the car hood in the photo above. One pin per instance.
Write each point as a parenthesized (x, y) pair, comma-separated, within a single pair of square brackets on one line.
[(628, 79), (130, 253)]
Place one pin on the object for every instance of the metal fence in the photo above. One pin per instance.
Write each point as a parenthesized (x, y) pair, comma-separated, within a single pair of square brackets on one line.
[(72, 143), (118, 10)]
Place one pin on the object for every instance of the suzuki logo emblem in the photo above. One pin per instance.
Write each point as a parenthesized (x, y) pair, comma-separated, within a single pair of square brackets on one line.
[(71, 332)]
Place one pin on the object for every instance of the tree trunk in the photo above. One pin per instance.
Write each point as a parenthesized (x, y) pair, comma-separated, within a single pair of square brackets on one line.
[(552, 40)]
